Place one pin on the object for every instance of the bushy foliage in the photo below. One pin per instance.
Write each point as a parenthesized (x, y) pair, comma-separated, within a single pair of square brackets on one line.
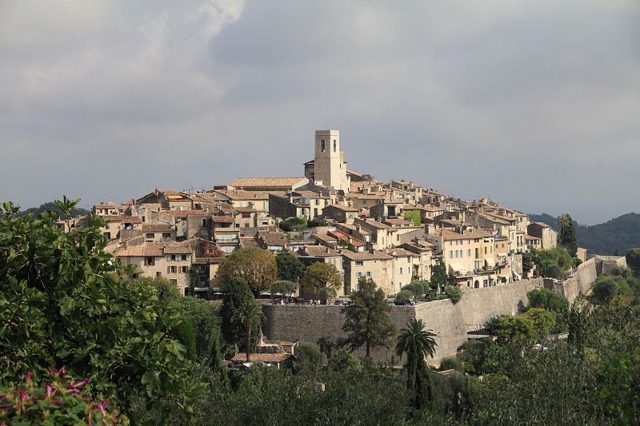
[(418, 288), (453, 292), (308, 358), (553, 263), (404, 296), (59, 400), (321, 280), (317, 221), (452, 363), (367, 321), (413, 216), (608, 288), (633, 260), (547, 299), (237, 295), (289, 267), (66, 302), (256, 266), (283, 287), (293, 224)]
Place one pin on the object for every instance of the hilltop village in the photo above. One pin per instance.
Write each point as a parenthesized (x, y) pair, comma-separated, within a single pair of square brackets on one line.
[(393, 232)]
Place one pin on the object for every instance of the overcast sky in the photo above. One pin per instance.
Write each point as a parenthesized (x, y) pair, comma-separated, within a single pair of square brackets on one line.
[(533, 103)]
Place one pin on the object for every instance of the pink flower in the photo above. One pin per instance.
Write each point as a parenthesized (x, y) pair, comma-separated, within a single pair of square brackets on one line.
[(50, 391), (23, 395), (80, 384), (28, 377), (62, 372), (56, 402)]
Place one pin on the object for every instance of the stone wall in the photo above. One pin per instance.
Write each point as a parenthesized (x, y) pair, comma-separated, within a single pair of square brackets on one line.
[(479, 305), (450, 321), (580, 282), (312, 322)]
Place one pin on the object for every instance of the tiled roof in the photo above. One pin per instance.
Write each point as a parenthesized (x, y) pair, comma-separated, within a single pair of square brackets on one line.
[(365, 255), (318, 251), (177, 249), (241, 195), (400, 252), (343, 208), (267, 181), (273, 238), (449, 235), (277, 357), (248, 242), (156, 227)]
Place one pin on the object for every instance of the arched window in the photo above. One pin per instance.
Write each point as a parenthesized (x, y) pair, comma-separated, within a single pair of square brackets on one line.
[(334, 145), (322, 145)]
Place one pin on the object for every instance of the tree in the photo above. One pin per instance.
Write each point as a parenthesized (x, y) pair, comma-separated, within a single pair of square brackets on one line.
[(283, 287), (64, 301), (237, 294), (289, 267), (367, 318), (567, 237), (417, 288), (417, 343), (453, 292), (404, 297), (321, 280), (547, 299), (633, 260), (257, 266), (528, 261), (248, 314), (293, 224), (439, 275), (308, 358)]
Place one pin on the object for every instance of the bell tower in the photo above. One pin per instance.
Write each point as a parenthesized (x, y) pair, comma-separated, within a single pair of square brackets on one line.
[(329, 167)]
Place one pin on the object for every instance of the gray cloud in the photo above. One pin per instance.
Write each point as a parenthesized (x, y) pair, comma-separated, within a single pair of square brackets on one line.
[(533, 103)]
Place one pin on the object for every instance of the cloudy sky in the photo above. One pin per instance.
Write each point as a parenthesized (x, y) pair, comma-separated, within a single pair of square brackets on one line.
[(533, 103)]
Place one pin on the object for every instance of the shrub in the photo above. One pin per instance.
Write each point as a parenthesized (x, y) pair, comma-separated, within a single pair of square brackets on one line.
[(293, 224), (453, 292), (451, 363), (61, 401), (404, 296), (308, 358)]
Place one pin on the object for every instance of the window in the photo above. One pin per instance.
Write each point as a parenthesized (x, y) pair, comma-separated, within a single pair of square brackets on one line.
[(334, 145), (400, 270), (173, 257), (369, 274), (359, 263), (166, 235), (184, 270), (184, 257), (174, 269), (469, 252), (451, 254), (322, 146), (149, 261), (150, 235), (485, 250)]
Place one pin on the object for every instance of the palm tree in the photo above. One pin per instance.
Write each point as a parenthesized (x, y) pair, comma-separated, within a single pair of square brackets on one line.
[(248, 314), (417, 343)]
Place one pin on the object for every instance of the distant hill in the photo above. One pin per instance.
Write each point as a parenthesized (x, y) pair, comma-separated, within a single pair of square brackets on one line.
[(619, 234), (50, 206)]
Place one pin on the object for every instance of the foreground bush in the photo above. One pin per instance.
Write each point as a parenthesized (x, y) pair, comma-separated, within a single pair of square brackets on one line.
[(60, 401)]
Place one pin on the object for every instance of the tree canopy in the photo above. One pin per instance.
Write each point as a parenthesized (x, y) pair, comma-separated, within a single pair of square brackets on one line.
[(257, 266), (367, 318), (289, 267), (321, 280)]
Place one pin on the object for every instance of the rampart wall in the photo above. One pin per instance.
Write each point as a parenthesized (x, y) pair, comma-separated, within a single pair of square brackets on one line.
[(450, 321)]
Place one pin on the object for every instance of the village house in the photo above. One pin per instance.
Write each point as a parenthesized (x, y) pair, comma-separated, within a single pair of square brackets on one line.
[(547, 236), (376, 265), (160, 260)]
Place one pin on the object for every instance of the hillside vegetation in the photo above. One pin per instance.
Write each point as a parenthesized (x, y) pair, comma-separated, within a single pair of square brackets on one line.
[(618, 234)]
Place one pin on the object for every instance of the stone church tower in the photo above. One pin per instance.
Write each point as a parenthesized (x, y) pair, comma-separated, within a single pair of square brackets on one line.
[(329, 167)]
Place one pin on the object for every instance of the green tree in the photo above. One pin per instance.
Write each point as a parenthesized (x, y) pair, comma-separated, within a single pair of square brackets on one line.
[(289, 267), (367, 318), (417, 288), (453, 292), (417, 343), (404, 296), (237, 295), (293, 224), (413, 216), (547, 299), (567, 237), (249, 315), (439, 275), (283, 287), (633, 260), (257, 266), (528, 262), (64, 301), (321, 280), (308, 358)]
